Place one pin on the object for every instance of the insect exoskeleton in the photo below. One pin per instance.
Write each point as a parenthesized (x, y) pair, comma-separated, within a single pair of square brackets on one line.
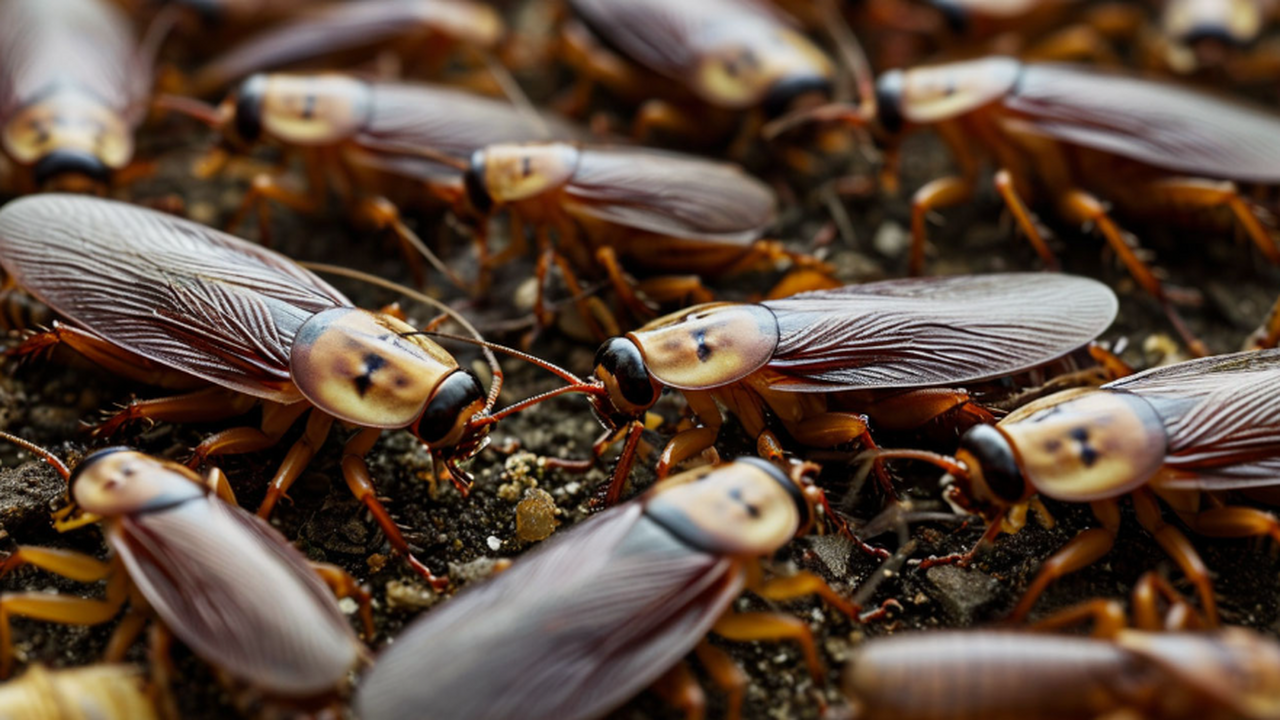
[(792, 364), (1172, 433), (646, 210), (180, 547), (169, 302), (1078, 139), (1194, 36), (364, 140), (579, 635), (424, 34), (715, 65), (97, 692), (73, 88)]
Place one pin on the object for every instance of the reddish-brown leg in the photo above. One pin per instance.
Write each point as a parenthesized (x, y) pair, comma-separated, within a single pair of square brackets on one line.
[(159, 652), (384, 215), (680, 689), (804, 584), (1022, 216), (267, 188), (1107, 617), (747, 627), (726, 674), (296, 460), (1210, 194), (276, 421), (622, 470), (207, 405), (1267, 334), (1084, 550), (1179, 548), (102, 353), (937, 194), (345, 586)]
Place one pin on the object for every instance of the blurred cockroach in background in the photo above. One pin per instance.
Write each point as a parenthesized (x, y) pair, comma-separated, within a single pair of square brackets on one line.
[(96, 692), (169, 302), (612, 606), (1178, 433), (1076, 139), (74, 84), (180, 550), (1221, 38)]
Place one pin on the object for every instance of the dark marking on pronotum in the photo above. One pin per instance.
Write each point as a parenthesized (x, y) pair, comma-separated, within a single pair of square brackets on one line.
[(372, 363), (752, 510), (700, 337), (1088, 455)]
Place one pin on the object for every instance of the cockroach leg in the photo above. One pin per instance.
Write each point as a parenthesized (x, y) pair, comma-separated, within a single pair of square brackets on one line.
[(684, 290), (276, 421), (622, 470), (684, 445), (1026, 221), (160, 655), (803, 584), (345, 586), (623, 285), (834, 429), (98, 351), (727, 676), (73, 565), (1208, 194), (656, 114), (1080, 42), (1178, 547), (126, 633), (748, 627), (680, 689), (1111, 363), (208, 404), (1082, 551), (356, 472), (1267, 334), (1107, 616), (384, 215), (266, 188), (1147, 593), (1234, 522), (1085, 208), (937, 194), (296, 460)]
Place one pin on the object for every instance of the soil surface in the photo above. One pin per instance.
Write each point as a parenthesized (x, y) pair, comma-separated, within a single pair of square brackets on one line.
[(49, 401)]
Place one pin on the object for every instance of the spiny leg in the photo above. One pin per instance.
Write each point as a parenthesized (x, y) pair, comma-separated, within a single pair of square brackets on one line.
[(1008, 190), (345, 586), (833, 429), (1179, 548), (1202, 193), (384, 215), (207, 405), (98, 351), (296, 460), (1082, 551), (276, 421), (265, 188)]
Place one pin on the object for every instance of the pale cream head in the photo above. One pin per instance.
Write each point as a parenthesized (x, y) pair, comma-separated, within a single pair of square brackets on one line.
[(1238, 20), (118, 482), (708, 345), (355, 366), (514, 172), (738, 74), (941, 92), (744, 508), (1088, 444), (313, 109), (68, 120)]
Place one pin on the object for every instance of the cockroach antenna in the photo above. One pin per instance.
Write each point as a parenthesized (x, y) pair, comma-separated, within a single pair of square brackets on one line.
[(44, 454)]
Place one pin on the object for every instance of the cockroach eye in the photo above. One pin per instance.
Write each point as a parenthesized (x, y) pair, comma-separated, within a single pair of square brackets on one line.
[(996, 461), (621, 359), (456, 393), (889, 101), (477, 190), (249, 97), (778, 101), (64, 162)]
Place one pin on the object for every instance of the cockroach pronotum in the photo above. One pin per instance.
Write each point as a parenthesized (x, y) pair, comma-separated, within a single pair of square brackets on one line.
[(810, 361), (361, 139), (1152, 671), (1173, 433), (1194, 36), (1076, 138), (609, 607), (97, 692), (423, 34), (170, 302), (73, 87), (220, 579)]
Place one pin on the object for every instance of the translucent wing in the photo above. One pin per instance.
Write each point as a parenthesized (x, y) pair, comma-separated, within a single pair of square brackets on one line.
[(173, 291), (1165, 125), (569, 632), (934, 331), (1221, 415), (671, 194), (238, 595)]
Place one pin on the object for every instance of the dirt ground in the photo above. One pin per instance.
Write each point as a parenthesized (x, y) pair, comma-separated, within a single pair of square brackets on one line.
[(46, 402)]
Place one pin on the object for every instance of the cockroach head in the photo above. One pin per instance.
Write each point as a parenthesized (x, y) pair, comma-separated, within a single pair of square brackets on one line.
[(995, 479), (477, 188), (446, 421), (72, 170), (247, 102), (120, 480), (630, 389)]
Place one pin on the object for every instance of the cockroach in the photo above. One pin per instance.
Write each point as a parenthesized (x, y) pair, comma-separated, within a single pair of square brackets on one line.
[(607, 608), (424, 34), (796, 361), (1193, 36), (220, 579), (169, 302), (1171, 433), (1003, 674), (1077, 138), (700, 68), (73, 88), (97, 692), (361, 138)]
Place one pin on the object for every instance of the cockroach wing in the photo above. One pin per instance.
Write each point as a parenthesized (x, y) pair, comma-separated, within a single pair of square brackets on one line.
[(919, 332), (568, 633), (170, 290), (671, 194), (83, 44), (1222, 418), (239, 595), (1160, 124), (446, 120)]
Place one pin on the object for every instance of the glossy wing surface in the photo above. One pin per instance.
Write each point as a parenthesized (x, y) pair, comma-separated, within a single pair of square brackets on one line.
[(239, 596), (934, 331), (173, 291), (1158, 123), (671, 194), (569, 632), (1221, 415)]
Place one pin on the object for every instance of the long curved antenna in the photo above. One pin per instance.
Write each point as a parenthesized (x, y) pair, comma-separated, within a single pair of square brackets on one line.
[(495, 389), (193, 108), (945, 462), (851, 54), (515, 94), (47, 456)]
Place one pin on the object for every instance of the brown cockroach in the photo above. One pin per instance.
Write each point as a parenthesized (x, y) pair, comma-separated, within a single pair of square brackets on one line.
[(1193, 36), (169, 302), (1076, 138), (97, 692), (1173, 433), (700, 69), (424, 34), (1147, 672), (73, 87), (609, 607), (220, 579), (361, 138), (797, 363)]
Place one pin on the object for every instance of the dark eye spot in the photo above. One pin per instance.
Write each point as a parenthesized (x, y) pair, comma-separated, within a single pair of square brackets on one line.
[(753, 511), (526, 166), (1053, 446), (704, 352), (309, 107), (1088, 455), (372, 363)]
